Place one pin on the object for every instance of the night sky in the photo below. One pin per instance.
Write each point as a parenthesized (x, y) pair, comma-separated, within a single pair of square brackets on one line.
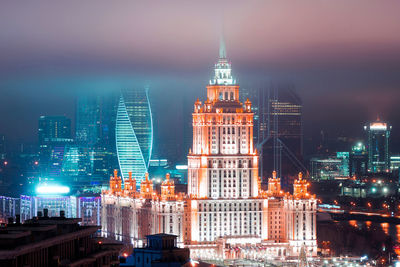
[(342, 56)]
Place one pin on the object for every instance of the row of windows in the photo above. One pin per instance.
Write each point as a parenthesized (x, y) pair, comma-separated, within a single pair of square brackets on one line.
[(230, 164), (213, 206)]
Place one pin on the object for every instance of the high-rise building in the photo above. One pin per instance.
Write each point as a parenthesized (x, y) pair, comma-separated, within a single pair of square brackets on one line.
[(358, 161), (54, 134), (280, 133), (87, 120), (134, 133), (226, 201), (77, 163), (95, 136), (95, 119), (54, 129), (378, 134), (225, 214)]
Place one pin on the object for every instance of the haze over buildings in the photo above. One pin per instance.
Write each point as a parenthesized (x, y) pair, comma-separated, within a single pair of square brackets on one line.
[(337, 65)]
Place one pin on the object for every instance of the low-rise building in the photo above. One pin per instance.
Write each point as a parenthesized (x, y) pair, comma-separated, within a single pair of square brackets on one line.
[(55, 241), (161, 250)]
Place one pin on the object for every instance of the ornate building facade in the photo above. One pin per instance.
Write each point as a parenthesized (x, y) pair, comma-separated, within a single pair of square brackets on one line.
[(225, 213)]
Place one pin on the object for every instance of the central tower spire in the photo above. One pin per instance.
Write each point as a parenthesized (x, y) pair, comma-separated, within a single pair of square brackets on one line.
[(222, 49), (223, 69)]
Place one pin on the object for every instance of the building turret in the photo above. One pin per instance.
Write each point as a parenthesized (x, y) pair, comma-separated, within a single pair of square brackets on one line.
[(207, 105), (115, 183), (247, 105), (168, 189), (197, 106), (274, 186), (130, 186), (146, 188), (300, 188)]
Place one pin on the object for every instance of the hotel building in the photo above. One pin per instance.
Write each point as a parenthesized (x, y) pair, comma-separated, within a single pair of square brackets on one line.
[(225, 213)]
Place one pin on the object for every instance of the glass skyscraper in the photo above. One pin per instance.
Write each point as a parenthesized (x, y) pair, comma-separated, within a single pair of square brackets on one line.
[(378, 134), (54, 129), (87, 120), (134, 133), (95, 134), (278, 131), (54, 134)]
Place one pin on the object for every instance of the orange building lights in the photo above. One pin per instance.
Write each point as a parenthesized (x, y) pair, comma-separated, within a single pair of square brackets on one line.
[(225, 207)]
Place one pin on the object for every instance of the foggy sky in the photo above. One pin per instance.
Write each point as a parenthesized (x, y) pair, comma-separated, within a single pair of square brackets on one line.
[(342, 56)]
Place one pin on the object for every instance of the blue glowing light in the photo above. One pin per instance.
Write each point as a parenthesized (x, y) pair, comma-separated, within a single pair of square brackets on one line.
[(52, 189)]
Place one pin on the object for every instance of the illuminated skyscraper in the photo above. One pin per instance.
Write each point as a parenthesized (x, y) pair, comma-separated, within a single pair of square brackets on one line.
[(358, 160), (95, 136), (54, 129), (226, 214), (54, 134), (223, 162), (87, 120), (378, 134), (134, 133), (278, 132), (226, 201)]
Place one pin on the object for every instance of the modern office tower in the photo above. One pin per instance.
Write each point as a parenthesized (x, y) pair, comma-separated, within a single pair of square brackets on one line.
[(358, 161), (54, 133), (95, 119), (87, 120), (279, 132), (134, 133), (345, 166), (54, 129), (95, 134), (77, 163), (378, 134)]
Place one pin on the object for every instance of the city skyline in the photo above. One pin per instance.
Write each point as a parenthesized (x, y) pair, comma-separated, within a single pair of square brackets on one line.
[(212, 133), (345, 68)]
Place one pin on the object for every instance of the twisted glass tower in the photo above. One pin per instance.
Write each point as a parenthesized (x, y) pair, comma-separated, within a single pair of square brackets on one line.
[(134, 133)]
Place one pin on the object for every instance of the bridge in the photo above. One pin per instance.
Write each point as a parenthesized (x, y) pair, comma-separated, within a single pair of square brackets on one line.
[(341, 215)]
